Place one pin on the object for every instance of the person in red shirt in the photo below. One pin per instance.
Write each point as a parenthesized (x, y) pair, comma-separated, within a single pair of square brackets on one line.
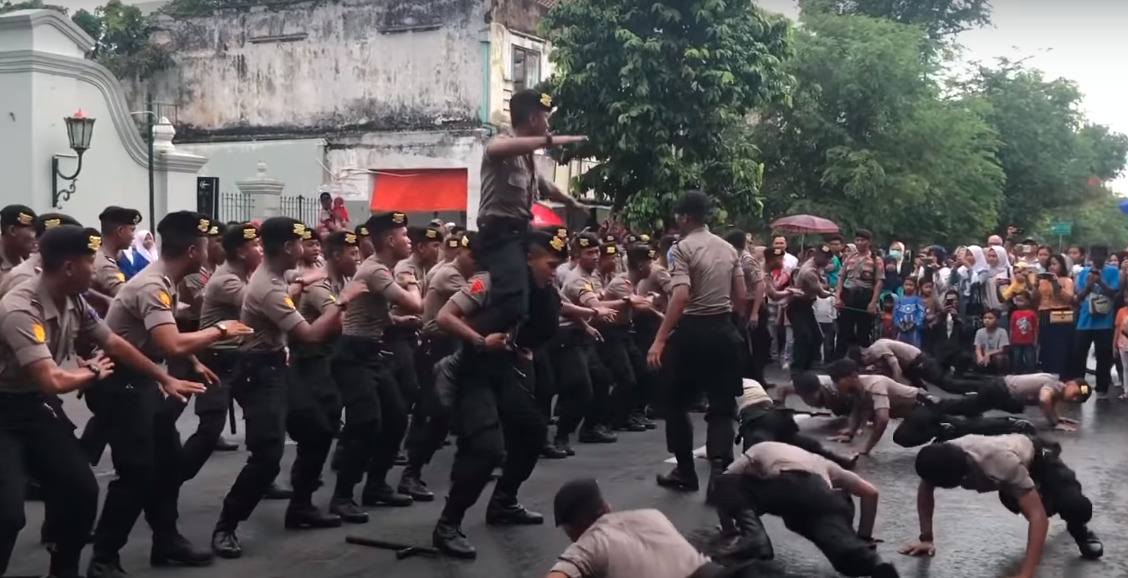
[(1023, 335)]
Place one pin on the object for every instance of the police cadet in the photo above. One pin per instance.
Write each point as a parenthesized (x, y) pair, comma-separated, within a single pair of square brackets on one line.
[(364, 242), (33, 265), (903, 362), (859, 285), (311, 252), (118, 225), (1013, 393), (140, 427), (429, 423), (222, 299), (584, 382), (262, 387), (705, 352), (510, 184), (375, 410), (1029, 476), (754, 285), (618, 351), (808, 287), (37, 336), (17, 236), (494, 409), (311, 361)]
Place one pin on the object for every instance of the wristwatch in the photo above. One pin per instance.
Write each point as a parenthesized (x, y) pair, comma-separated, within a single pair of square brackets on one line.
[(222, 329)]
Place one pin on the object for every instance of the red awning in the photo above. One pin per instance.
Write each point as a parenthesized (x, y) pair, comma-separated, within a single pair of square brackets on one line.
[(419, 190)]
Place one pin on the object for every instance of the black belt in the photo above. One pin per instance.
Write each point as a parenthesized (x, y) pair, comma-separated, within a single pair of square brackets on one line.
[(503, 223)]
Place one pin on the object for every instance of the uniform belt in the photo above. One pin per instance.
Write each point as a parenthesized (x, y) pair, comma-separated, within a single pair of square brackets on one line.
[(496, 223), (255, 357)]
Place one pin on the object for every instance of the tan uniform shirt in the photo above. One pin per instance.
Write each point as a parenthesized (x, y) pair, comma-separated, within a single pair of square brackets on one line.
[(630, 544), (1002, 463), (767, 460), (29, 269), (473, 296), (884, 393), (862, 272), (1028, 387), (808, 280), (407, 271), (707, 264), (269, 311), (753, 271), (319, 297), (369, 314), (618, 288), (509, 187), (223, 300), (108, 277), (892, 352), (32, 328), (5, 265), (445, 283), (562, 273), (583, 289), (191, 291), (753, 395), (145, 302)]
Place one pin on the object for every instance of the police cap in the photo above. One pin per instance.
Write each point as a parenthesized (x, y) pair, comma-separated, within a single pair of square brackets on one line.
[(806, 383), (236, 235), (311, 235), (639, 253), (338, 241), (361, 231), (380, 223), (119, 216), (217, 229), (529, 100), (17, 216), (184, 225), (461, 241), (551, 243), (577, 502), (277, 231), (67, 242), (424, 234), (608, 250), (693, 204), (587, 240), (49, 220), (823, 249)]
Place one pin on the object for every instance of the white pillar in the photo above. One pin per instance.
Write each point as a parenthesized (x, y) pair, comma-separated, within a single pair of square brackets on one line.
[(265, 194), (174, 173)]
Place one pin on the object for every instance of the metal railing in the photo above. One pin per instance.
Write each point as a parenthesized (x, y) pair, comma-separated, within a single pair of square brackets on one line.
[(236, 207), (303, 208), (233, 207)]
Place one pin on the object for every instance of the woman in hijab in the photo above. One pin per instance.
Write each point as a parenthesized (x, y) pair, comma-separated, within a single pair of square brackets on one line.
[(994, 279), (143, 252)]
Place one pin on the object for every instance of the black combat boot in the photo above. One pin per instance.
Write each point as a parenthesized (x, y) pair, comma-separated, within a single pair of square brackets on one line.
[(381, 494), (277, 492), (505, 510), (562, 444), (753, 542), (176, 550), (597, 435), (105, 566), (1087, 542), (412, 484), (301, 514), (349, 512), (224, 542), (223, 445), (682, 480), (449, 539)]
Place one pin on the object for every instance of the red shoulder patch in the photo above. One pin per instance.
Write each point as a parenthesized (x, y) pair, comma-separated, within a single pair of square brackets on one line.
[(476, 286)]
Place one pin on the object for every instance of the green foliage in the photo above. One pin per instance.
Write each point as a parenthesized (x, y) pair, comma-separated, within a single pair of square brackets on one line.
[(6, 6), (121, 34), (868, 142), (665, 91), (1097, 220), (939, 17)]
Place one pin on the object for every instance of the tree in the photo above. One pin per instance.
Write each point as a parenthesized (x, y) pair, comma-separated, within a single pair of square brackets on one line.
[(664, 90), (868, 142), (941, 18)]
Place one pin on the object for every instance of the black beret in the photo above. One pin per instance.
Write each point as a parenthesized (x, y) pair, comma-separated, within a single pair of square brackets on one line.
[(120, 216), (50, 220), (67, 241), (577, 500), (824, 249), (587, 240), (236, 235), (338, 240), (424, 234), (184, 225), (551, 243), (17, 216), (632, 238), (217, 229), (310, 235), (383, 222), (277, 231), (530, 98), (361, 231), (636, 253), (692, 203), (610, 239), (806, 383), (608, 250)]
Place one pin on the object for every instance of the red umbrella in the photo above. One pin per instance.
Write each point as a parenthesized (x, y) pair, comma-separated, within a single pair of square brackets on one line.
[(544, 216), (804, 224)]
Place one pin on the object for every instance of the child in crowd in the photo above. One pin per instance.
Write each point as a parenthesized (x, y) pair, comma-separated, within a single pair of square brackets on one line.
[(991, 344), (888, 330), (1023, 335), (825, 314), (908, 314), (1120, 347)]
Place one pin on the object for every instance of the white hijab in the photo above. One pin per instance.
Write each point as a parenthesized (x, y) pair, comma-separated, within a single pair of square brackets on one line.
[(150, 255)]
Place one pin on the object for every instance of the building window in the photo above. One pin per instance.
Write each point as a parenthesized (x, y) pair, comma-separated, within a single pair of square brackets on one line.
[(526, 68)]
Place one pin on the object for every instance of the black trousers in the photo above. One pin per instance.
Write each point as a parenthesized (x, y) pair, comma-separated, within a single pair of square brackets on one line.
[(949, 419), (704, 354), (212, 408), (770, 424), (924, 370), (146, 451), (807, 337), (501, 249), (264, 387), (583, 381), (809, 507), (37, 443), (855, 324), (1058, 487), (375, 412), (645, 328), (1101, 342), (430, 423), (313, 416), (497, 417), (992, 392), (403, 344), (545, 378), (624, 362)]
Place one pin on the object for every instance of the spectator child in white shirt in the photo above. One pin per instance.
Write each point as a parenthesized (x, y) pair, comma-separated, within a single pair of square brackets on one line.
[(825, 315)]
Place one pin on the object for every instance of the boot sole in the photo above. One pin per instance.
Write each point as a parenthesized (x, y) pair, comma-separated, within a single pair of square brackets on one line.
[(166, 562), (422, 497), (460, 555), (373, 504), (513, 523), (228, 555), (313, 526)]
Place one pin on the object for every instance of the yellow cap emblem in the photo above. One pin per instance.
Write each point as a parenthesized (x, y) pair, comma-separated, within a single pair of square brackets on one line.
[(250, 233), (398, 218), (363, 231), (26, 219), (432, 234), (584, 242), (350, 239), (562, 233), (94, 243), (136, 219), (557, 243), (644, 238), (164, 298), (611, 249), (299, 229), (213, 231), (204, 225), (546, 100), (307, 235), (465, 241), (52, 223), (38, 333), (453, 243), (651, 254)]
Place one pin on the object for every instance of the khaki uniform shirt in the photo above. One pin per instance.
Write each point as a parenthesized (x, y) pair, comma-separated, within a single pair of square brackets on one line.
[(191, 291), (753, 271), (1028, 387), (767, 460), (630, 544), (808, 280), (562, 273), (1002, 463), (6, 266), (223, 301), (472, 297), (369, 314), (891, 352), (145, 302), (509, 187), (707, 264), (269, 311), (884, 393), (862, 272), (29, 269), (32, 328), (583, 289), (618, 288), (108, 277), (319, 297), (445, 283), (406, 271), (753, 395)]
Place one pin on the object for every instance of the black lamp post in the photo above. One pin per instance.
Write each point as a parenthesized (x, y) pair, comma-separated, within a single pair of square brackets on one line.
[(79, 130)]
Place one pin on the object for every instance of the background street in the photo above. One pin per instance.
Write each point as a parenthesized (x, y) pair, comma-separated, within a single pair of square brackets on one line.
[(976, 536)]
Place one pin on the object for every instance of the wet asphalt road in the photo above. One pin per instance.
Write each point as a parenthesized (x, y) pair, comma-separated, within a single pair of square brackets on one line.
[(976, 536)]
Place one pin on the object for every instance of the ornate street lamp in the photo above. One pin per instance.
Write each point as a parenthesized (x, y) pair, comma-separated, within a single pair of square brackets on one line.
[(79, 131)]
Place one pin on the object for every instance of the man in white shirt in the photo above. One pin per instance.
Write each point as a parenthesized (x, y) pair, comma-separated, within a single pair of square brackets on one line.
[(789, 261)]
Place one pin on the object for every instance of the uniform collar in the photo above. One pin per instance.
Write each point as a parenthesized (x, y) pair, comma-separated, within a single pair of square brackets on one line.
[(106, 252), (47, 302)]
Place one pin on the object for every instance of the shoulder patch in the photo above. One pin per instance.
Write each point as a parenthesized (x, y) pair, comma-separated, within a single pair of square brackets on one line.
[(164, 298), (38, 332), (120, 276), (587, 287), (476, 286), (289, 302)]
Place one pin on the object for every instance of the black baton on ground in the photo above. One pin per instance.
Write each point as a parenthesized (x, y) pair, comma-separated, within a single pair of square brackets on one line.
[(231, 412), (402, 550)]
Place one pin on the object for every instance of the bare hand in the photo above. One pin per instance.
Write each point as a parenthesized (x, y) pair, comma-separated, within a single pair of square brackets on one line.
[(202, 370), (838, 302), (919, 549), (654, 356), (594, 333), (872, 308), (407, 320), (1068, 420), (351, 291), (605, 313), (103, 365), (841, 438), (496, 341), (1065, 427), (753, 321), (315, 276), (180, 389), (237, 328)]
